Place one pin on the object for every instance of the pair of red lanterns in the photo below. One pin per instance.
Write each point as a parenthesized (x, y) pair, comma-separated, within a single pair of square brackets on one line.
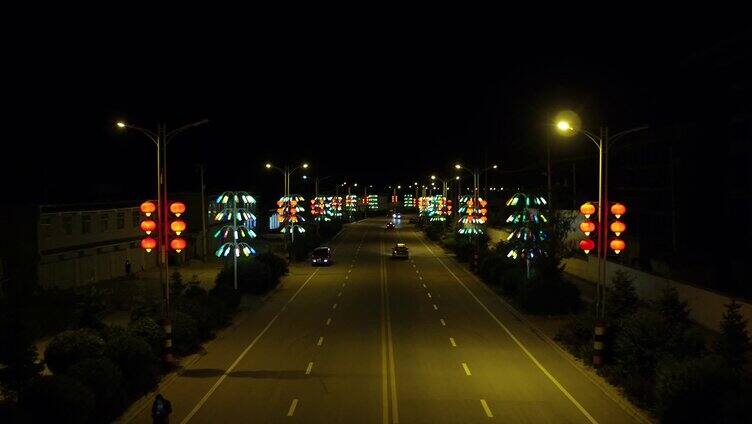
[(148, 225), (617, 227)]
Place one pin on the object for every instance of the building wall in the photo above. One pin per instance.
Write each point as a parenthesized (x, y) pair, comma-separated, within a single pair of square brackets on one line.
[(85, 246), (707, 307)]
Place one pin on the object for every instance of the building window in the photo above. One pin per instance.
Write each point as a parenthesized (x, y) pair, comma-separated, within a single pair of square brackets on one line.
[(68, 224), (85, 224), (136, 219), (120, 220), (45, 225), (104, 223)]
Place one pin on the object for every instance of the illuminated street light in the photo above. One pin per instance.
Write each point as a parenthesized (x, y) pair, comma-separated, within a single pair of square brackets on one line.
[(121, 124)]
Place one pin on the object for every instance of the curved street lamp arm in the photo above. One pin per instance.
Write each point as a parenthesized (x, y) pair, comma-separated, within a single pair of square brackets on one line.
[(594, 138), (176, 131), (623, 133), (153, 137)]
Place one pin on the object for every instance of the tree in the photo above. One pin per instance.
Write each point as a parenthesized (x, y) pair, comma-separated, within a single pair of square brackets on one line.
[(149, 331), (672, 308), (733, 344), (622, 300)]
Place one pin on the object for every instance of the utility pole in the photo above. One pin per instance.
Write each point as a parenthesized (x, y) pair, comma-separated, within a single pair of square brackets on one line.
[(203, 214)]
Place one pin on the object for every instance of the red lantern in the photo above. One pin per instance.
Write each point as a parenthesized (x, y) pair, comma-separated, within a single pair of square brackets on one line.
[(618, 209), (587, 245), (178, 226), (177, 208), (178, 244), (587, 227), (587, 209), (617, 245), (148, 226), (148, 244), (618, 227), (148, 207)]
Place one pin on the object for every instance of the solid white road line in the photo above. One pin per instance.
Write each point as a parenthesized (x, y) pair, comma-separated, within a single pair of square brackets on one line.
[(522, 347), (293, 405), (321, 341), (443, 323), (328, 321), (486, 408), (245, 352), (451, 340), (310, 367), (467, 370)]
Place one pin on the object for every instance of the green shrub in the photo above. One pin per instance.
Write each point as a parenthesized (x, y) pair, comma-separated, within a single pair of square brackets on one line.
[(184, 333), (693, 390), (511, 281), (493, 267), (195, 303), (146, 308), (435, 230), (223, 303), (135, 359), (549, 297), (149, 331), (254, 277), (577, 334), (105, 380), (71, 347), (277, 264), (57, 399)]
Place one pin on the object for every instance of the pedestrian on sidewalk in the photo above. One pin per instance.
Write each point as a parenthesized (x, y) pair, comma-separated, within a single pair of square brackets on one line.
[(127, 268), (161, 410)]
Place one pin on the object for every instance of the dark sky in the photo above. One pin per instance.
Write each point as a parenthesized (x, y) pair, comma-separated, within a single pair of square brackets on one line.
[(375, 106)]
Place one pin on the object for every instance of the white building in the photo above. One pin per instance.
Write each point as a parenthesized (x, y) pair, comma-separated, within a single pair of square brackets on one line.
[(81, 244)]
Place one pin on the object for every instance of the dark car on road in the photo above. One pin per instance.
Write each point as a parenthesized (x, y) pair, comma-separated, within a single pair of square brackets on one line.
[(321, 256), (400, 251), (390, 225)]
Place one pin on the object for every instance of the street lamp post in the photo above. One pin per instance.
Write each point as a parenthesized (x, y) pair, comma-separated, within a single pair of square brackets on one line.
[(286, 172), (161, 139), (602, 142)]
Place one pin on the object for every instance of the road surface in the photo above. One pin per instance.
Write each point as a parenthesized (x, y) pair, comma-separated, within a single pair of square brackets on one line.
[(375, 340)]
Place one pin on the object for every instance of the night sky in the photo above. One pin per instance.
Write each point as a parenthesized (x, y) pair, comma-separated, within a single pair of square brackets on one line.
[(376, 107)]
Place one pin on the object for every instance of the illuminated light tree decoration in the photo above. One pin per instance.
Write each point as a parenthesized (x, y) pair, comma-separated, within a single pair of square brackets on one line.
[(148, 244), (440, 209), (372, 201), (351, 202), (319, 208), (526, 220), (289, 210), (473, 215), (335, 206), (236, 213), (408, 201)]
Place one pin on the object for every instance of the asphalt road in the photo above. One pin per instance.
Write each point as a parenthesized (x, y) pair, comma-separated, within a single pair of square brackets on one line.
[(375, 340)]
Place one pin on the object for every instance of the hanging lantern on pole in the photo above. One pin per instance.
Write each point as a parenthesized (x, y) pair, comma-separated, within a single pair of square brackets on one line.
[(148, 244), (587, 245), (587, 209), (587, 227), (148, 208)]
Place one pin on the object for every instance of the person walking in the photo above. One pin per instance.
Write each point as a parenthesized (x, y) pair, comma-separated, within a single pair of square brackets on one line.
[(161, 410)]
